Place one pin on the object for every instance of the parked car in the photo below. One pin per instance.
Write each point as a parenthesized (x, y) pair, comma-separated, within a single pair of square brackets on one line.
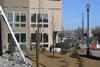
[(58, 46), (65, 45)]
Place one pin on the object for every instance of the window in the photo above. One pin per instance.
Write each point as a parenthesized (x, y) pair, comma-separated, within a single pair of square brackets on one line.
[(17, 37), (21, 37), (11, 25), (23, 17), (33, 37), (43, 40), (39, 20), (45, 25), (45, 37), (33, 25), (9, 38), (33, 17), (17, 19), (16, 25), (39, 25), (45, 18), (39, 17), (23, 25), (10, 16)]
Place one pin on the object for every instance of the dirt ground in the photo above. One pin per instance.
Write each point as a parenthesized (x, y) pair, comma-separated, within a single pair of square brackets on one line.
[(61, 60)]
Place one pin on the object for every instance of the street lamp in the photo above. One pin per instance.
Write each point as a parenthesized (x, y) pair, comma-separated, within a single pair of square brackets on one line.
[(88, 8)]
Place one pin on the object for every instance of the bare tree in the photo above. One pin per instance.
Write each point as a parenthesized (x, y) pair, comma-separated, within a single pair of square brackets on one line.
[(54, 33), (38, 39), (38, 32)]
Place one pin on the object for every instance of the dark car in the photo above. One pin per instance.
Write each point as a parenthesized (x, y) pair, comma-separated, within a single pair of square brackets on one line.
[(64, 45)]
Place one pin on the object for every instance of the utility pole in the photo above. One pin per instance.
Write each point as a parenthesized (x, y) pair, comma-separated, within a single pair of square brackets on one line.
[(82, 29)]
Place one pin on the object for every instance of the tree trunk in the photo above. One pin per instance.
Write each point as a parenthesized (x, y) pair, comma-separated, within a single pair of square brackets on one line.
[(37, 48), (54, 41)]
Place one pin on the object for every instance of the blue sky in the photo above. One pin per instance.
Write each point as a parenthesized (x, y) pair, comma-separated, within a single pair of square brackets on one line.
[(72, 13)]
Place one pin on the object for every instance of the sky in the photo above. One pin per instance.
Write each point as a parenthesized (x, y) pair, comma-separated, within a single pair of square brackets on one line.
[(72, 13)]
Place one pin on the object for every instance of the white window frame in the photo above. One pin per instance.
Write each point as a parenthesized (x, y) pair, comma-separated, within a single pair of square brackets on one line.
[(19, 37), (13, 23), (37, 20), (41, 43)]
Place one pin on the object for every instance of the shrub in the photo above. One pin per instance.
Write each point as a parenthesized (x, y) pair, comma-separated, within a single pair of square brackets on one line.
[(43, 49), (63, 51), (75, 54), (11, 46)]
